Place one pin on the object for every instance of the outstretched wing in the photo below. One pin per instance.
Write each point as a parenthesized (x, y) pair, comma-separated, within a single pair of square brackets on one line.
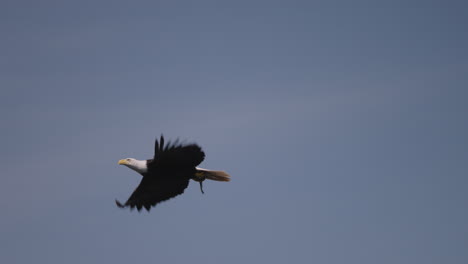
[(153, 190), (176, 155)]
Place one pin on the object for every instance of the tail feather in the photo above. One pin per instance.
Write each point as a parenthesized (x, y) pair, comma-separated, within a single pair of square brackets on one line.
[(215, 175)]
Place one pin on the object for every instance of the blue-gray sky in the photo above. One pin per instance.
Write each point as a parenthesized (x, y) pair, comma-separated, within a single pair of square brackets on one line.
[(343, 124)]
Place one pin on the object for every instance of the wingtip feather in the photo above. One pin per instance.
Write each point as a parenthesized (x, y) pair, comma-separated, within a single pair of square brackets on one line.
[(120, 205), (161, 145)]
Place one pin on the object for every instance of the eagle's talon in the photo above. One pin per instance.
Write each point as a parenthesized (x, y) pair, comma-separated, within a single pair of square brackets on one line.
[(201, 188)]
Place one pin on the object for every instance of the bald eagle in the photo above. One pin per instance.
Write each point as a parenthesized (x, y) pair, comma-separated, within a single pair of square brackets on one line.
[(168, 173)]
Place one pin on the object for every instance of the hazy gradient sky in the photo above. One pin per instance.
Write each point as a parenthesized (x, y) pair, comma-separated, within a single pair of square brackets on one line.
[(343, 124)]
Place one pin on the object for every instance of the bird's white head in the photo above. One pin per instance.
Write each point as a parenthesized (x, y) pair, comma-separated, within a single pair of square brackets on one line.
[(136, 165)]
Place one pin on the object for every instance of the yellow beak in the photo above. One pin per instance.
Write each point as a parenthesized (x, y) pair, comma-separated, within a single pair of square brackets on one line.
[(122, 162)]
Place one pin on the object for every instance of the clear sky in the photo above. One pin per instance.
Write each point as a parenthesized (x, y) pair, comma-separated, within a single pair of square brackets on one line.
[(343, 124)]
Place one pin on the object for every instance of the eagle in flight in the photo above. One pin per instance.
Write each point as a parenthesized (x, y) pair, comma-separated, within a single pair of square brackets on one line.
[(168, 173)]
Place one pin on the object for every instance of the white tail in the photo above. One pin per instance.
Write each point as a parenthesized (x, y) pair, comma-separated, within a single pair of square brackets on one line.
[(215, 175)]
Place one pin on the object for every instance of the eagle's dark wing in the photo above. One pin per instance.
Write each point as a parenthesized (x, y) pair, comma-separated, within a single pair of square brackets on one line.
[(154, 189), (176, 155)]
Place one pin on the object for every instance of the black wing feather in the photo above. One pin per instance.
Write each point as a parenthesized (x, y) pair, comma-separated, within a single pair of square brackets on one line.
[(156, 147), (176, 155), (152, 191), (161, 145)]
